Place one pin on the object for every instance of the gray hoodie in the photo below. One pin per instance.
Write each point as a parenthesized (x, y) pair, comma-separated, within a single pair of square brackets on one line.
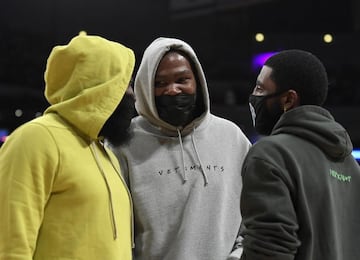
[(186, 182)]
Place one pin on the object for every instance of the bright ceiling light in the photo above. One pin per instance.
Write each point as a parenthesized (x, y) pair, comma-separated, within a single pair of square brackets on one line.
[(259, 37), (328, 38)]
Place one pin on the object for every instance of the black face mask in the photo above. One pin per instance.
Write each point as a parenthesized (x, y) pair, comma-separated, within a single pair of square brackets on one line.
[(176, 110), (264, 117)]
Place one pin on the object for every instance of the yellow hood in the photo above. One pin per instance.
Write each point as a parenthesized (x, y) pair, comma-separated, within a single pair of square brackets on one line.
[(86, 80)]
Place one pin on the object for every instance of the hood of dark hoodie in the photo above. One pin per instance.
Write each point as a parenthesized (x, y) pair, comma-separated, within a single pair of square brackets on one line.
[(145, 79), (316, 124)]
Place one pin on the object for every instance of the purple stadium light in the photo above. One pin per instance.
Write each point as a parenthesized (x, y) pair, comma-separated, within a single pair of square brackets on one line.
[(3, 134), (258, 60)]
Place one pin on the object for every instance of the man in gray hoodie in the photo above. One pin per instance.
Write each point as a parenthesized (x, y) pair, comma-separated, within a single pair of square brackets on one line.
[(183, 162)]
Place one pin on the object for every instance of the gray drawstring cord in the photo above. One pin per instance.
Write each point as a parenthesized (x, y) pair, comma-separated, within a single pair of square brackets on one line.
[(182, 156), (198, 157)]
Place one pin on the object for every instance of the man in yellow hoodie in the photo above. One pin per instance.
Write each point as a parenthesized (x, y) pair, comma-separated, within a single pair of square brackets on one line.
[(62, 195)]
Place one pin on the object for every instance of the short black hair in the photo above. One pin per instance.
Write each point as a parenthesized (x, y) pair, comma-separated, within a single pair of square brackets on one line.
[(301, 71)]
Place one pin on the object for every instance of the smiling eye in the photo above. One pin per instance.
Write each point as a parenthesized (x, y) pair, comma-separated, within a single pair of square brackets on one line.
[(182, 80), (160, 84)]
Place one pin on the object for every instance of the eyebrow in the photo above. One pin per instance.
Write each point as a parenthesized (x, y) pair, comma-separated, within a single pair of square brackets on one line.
[(177, 73)]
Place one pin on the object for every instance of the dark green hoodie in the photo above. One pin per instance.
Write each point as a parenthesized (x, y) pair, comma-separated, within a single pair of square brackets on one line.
[(300, 191)]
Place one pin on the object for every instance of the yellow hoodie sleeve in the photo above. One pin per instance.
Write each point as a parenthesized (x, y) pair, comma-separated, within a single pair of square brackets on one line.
[(28, 166)]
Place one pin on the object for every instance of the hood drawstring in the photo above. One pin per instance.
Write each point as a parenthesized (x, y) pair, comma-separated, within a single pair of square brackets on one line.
[(182, 156), (112, 214), (128, 191), (198, 156)]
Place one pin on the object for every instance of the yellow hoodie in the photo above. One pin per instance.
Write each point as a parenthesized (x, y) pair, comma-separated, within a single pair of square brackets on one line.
[(61, 191)]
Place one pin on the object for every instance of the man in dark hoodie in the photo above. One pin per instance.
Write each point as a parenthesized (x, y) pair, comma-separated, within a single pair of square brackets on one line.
[(301, 183)]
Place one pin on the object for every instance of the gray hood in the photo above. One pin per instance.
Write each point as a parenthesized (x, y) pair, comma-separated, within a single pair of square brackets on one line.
[(145, 79)]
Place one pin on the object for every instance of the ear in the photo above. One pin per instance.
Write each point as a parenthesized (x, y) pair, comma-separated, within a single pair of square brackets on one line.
[(290, 100)]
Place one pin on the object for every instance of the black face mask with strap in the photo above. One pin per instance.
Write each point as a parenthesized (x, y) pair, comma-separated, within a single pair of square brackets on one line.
[(264, 117), (176, 110)]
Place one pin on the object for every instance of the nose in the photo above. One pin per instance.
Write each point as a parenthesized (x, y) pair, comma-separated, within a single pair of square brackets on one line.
[(172, 90)]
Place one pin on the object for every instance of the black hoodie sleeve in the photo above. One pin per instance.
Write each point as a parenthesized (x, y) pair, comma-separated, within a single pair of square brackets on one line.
[(269, 218)]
